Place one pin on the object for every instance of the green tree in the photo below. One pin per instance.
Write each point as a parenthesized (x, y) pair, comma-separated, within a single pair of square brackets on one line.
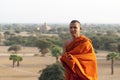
[(55, 40), (43, 46), (7, 34), (19, 59), (17, 31), (96, 42), (13, 58), (56, 52), (119, 49), (19, 40), (64, 36), (15, 48), (112, 56), (113, 47), (53, 72), (110, 33)]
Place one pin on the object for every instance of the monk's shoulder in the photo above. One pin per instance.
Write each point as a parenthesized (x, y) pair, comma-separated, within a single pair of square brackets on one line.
[(67, 42)]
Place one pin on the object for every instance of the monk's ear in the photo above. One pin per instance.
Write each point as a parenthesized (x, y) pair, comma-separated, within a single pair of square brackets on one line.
[(80, 28)]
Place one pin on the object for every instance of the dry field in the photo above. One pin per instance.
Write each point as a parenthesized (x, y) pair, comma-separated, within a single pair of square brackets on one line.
[(24, 50), (104, 67), (31, 66), (28, 70)]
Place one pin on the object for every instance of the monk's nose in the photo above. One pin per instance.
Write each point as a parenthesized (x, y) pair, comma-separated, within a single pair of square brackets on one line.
[(72, 29)]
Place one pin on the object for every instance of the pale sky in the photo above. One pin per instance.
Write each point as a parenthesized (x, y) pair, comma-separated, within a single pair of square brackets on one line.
[(60, 11)]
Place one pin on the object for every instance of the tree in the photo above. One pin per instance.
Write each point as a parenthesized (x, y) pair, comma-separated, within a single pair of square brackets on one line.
[(64, 36), (17, 31), (55, 41), (15, 48), (13, 58), (53, 72), (110, 33), (19, 40), (56, 52), (113, 47), (44, 46), (7, 34), (112, 56), (96, 42), (119, 49), (19, 59)]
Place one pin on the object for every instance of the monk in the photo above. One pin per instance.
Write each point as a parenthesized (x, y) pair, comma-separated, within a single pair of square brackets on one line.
[(78, 56)]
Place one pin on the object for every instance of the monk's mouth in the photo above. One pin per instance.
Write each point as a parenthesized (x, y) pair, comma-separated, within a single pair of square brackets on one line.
[(73, 33)]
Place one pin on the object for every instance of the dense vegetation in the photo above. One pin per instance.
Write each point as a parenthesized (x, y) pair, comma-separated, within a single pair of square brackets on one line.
[(53, 72), (103, 36)]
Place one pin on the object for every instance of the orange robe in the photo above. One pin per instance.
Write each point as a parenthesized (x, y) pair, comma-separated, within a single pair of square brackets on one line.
[(79, 60)]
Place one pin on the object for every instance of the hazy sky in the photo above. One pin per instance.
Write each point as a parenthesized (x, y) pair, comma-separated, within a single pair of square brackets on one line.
[(60, 11)]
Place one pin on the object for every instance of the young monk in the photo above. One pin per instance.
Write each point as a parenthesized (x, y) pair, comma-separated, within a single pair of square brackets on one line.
[(78, 57)]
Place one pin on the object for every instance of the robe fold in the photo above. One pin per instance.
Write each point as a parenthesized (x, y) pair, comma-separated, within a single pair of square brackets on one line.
[(79, 60)]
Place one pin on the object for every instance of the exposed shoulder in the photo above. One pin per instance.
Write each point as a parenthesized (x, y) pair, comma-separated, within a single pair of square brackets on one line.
[(67, 42)]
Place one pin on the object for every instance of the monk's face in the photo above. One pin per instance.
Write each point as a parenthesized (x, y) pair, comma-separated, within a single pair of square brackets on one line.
[(74, 29)]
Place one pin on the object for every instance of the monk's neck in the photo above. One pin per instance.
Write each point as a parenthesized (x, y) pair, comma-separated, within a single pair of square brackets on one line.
[(77, 36)]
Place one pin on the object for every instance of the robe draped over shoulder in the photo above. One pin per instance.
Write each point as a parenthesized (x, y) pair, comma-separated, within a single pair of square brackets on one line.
[(79, 60)]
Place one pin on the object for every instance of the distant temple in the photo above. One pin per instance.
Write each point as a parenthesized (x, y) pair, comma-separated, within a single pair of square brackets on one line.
[(45, 28)]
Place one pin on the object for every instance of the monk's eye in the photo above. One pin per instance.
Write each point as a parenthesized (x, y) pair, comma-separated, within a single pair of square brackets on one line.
[(73, 27)]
